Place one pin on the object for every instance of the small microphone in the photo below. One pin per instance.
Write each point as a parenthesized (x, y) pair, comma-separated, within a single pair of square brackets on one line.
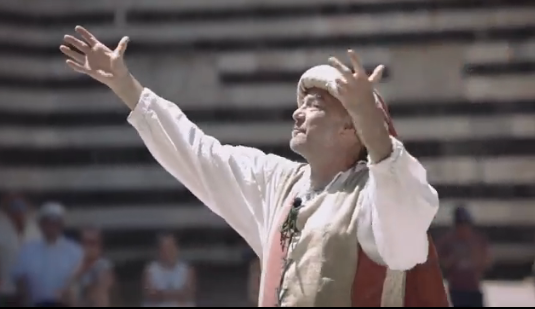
[(297, 202)]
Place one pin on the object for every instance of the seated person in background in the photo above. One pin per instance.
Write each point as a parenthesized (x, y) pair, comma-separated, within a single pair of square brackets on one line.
[(465, 258), (45, 266), (17, 226), (169, 282), (533, 273), (92, 283)]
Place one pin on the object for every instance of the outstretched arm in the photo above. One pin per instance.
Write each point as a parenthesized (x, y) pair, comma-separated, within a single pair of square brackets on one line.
[(234, 182), (398, 203)]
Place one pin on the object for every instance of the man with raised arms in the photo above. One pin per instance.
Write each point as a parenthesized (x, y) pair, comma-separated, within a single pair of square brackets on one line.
[(349, 228)]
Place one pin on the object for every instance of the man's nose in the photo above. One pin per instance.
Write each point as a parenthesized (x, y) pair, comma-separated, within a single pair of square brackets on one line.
[(298, 116)]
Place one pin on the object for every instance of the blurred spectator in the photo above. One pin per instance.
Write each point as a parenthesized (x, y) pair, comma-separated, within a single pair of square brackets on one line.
[(253, 283), (92, 283), (17, 226), (45, 266), (533, 272), (168, 281), (465, 258)]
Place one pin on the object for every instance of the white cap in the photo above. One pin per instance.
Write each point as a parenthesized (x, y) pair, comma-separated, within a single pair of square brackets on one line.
[(322, 77), (52, 210)]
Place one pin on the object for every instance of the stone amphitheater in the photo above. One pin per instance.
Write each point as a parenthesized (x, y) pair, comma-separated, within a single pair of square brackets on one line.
[(460, 82)]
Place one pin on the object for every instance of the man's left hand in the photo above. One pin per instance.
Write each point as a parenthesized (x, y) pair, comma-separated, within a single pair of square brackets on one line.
[(355, 88), (356, 93), (377, 74)]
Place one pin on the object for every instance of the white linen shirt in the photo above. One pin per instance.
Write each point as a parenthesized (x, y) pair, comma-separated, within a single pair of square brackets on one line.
[(239, 184)]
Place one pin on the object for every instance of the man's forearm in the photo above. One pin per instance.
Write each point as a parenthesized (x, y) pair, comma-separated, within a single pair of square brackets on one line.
[(370, 125), (129, 90)]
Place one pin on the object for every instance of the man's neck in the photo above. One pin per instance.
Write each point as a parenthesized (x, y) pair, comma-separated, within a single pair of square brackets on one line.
[(169, 264), (323, 172)]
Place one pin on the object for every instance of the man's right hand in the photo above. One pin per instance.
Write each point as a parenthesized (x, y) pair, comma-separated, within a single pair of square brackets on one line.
[(96, 59), (103, 64)]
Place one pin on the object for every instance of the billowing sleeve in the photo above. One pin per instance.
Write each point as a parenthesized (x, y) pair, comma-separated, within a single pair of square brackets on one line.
[(398, 207), (234, 182)]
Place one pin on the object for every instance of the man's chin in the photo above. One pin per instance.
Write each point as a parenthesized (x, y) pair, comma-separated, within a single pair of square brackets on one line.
[(296, 145)]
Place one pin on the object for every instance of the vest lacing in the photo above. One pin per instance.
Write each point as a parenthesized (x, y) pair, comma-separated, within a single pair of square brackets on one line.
[(289, 233), (289, 230)]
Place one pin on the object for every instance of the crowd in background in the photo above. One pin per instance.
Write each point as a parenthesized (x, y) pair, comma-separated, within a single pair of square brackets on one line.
[(41, 267)]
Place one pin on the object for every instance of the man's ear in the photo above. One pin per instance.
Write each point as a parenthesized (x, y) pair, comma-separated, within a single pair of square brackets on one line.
[(348, 128)]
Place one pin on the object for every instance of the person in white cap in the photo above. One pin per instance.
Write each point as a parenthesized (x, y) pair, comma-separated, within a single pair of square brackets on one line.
[(349, 228), (17, 226), (45, 266)]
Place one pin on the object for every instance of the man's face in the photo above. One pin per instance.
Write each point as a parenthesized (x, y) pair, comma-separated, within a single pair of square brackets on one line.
[(92, 242), (463, 229), (51, 227), (18, 213), (17, 209), (168, 249), (321, 123)]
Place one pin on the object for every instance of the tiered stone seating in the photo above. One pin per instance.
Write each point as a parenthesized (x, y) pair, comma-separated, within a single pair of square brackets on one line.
[(459, 82)]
